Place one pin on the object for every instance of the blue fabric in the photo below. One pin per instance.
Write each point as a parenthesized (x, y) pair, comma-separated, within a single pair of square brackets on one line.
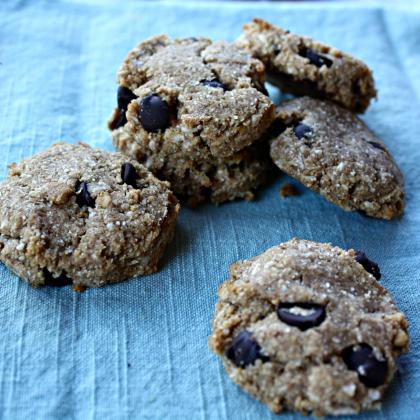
[(139, 349)]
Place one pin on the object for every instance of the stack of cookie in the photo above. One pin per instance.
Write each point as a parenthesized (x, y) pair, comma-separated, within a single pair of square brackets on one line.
[(195, 113), (304, 326)]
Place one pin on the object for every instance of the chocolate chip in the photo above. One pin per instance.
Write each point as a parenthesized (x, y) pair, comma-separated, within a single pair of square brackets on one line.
[(355, 87), (315, 58), (358, 96), (377, 145), (154, 113), (360, 358), (83, 197), (124, 97), (214, 83), (369, 265), (244, 350), (264, 90), (129, 174), (260, 87), (302, 130), (122, 120), (60, 281), (303, 315), (276, 128)]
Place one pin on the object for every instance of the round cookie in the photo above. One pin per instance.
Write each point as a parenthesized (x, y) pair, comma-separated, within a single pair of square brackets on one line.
[(303, 66), (189, 110), (82, 216), (305, 327), (331, 151)]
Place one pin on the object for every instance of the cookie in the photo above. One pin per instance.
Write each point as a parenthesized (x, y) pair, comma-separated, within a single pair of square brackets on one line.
[(190, 111), (305, 327), (85, 217), (303, 66), (331, 151)]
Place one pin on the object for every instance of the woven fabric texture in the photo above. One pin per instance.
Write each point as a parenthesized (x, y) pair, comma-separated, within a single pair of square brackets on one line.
[(139, 349)]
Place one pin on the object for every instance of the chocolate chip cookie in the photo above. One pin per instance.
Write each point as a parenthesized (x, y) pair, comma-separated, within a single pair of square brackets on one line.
[(305, 327), (73, 215), (190, 110), (331, 151), (303, 66)]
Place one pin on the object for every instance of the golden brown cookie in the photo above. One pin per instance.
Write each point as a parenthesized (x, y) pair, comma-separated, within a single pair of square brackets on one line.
[(82, 216), (331, 151), (306, 326), (190, 111), (303, 66)]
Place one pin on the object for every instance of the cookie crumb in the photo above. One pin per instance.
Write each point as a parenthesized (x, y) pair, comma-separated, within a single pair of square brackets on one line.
[(79, 288), (288, 190), (249, 196)]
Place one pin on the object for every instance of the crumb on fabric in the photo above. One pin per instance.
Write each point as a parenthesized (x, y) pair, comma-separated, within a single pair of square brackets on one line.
[(288, 190)]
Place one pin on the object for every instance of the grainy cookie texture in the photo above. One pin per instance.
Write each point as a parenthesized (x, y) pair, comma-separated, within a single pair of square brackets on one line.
[(81, 216), (303, 66), (331, 151), (190, 111), (305, 327)]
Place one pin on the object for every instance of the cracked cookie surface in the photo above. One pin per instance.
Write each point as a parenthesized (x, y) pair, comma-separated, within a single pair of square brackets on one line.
[(190, 111), (331, 151), (82, 216), (305, 327), (303, 66)]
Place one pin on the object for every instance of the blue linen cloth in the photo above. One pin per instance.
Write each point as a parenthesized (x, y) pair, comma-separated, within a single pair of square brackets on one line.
[(139, 349)]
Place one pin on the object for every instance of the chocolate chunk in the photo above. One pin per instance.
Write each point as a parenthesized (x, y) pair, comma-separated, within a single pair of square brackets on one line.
[(315, 58), (377, 145), (60, 281), (369, 265), (122, 120), (129, 174), (83, 197), (303, 315), (359, 105), (264, 90), (302, 130), (214, 83), (360, 358), (260, 87), (154, 113), (124, 97), (244, 350)]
